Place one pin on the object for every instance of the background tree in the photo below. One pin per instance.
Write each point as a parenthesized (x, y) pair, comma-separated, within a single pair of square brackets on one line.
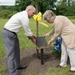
[(66, 7), (42, 4), (22, 4), (61, 7)]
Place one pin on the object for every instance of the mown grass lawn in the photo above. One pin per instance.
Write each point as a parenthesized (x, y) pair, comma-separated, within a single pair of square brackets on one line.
[(26, 43)]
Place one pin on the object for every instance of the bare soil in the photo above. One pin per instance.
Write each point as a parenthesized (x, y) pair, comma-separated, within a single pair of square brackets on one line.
[(29, 57)]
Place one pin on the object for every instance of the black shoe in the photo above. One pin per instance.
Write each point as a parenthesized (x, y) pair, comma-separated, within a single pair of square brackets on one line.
[(21, 67), (72, 71)]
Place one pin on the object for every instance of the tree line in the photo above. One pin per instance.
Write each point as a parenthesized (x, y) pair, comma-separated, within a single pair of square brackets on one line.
[(61, 7)]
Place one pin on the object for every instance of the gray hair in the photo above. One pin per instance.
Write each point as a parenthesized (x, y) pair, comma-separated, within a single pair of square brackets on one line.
[(48, 15), (31, 7)]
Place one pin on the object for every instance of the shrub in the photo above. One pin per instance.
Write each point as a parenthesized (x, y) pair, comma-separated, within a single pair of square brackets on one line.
[(6, 13)]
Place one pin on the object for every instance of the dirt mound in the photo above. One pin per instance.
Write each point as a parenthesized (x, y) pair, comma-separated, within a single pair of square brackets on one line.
[(29, 57)]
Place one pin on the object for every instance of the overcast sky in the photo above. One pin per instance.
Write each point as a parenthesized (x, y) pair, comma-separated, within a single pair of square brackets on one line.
[(7, 2)]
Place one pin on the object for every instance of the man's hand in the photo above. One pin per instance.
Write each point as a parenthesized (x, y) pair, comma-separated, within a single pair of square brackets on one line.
[(32, 38)]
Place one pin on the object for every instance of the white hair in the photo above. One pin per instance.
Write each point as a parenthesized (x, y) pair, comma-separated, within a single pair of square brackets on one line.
[(48, 15)]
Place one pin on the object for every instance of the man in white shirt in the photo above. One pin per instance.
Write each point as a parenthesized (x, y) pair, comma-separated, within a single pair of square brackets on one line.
[(9, 34)]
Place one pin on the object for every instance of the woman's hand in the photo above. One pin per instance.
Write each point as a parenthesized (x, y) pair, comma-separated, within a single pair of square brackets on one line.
[(49, 43), (46, 35)]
